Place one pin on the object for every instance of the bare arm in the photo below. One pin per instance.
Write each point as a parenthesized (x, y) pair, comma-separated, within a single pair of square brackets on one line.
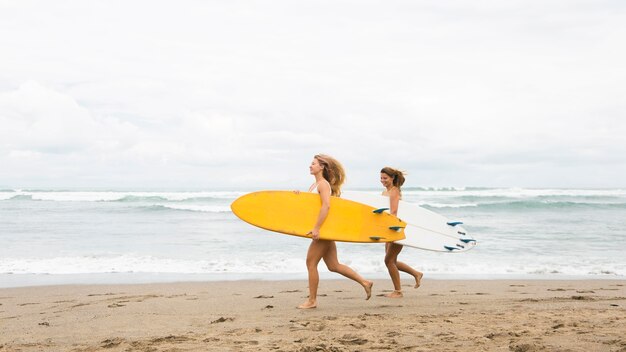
[(394, 200), (324, 190)]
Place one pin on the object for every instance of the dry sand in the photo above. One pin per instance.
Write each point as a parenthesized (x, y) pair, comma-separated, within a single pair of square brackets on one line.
[(441, 315)]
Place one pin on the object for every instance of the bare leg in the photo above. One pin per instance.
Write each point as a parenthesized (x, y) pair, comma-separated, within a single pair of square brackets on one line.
[(330, 258), (407, 269), (391, 257), (317, 248)]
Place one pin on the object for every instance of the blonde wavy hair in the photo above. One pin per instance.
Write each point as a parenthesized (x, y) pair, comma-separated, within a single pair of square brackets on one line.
[(333, 172)]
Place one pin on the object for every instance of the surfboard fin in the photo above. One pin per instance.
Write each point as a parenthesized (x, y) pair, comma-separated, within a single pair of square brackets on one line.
[(450, 248), (396, 228), (379, 211), (467, 240), (376, 238), (454, 223)]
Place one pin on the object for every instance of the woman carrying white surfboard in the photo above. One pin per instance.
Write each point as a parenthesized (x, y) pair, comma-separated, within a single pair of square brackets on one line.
[(329, 176), (392, 180)]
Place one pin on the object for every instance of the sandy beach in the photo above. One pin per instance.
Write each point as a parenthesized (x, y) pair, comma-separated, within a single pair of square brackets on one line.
[(442, 315)]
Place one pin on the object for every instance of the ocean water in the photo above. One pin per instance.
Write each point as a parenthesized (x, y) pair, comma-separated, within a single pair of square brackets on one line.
[(57, 237)]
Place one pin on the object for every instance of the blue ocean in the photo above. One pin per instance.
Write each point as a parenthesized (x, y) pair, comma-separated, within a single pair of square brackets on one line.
[(64, 236)]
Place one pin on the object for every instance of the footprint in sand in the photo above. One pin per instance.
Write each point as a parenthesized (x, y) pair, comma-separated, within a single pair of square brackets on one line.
[(252, 342), (104, 294), (116, 305), (117, 302), (352, 340), (583, 298), (222, 320), (307, 325), (110, 343), (170, 338), (80, 305)]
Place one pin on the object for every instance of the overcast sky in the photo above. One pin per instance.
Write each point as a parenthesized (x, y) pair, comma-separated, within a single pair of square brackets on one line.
[(241, 94)]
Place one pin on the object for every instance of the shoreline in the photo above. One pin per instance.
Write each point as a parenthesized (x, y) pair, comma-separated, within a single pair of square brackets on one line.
[(254, 315), (39, 280)]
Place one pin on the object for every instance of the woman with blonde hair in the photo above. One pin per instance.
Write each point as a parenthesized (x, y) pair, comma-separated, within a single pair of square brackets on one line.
[(329, 176), (393, 179)]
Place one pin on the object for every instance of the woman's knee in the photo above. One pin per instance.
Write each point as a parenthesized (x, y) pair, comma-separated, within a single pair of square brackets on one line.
[(332, 267), (390, 261), (311, 263)]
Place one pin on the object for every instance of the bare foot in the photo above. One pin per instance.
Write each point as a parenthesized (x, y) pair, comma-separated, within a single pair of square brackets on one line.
[(395, 294), (368, 289), (418, 280), (308, 305)]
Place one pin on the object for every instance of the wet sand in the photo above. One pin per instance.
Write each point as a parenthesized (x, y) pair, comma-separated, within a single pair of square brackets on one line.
[(441, 315)]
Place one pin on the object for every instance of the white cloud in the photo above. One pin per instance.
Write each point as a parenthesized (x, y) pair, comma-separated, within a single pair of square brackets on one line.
[(161, 94)]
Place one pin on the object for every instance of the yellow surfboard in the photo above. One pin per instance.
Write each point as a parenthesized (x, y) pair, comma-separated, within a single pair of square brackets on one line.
[(295, 214)]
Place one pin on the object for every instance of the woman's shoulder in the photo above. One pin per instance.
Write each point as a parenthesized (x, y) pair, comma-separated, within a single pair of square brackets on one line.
[(395, 192), (392, 191), (323, 183)]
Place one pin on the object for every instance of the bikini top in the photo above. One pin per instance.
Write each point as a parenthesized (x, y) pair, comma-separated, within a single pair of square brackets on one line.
[(386, 194), (314, 187)]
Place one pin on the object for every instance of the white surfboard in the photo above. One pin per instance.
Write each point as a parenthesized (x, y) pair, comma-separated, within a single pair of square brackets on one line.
[(425, 229)]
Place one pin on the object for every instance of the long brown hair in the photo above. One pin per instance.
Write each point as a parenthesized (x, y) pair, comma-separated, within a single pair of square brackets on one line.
[(395, 174), (333, 172)]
